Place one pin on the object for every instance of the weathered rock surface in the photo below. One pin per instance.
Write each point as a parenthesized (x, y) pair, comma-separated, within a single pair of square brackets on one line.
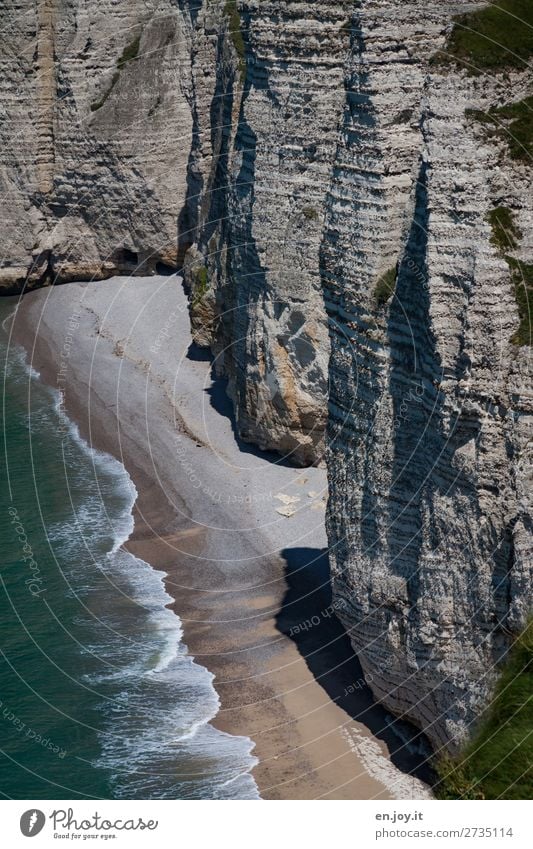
[(134, 137), (95, 137), (257, 217), (429, 516)]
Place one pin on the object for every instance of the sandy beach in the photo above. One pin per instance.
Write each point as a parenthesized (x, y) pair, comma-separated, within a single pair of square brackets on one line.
[(239, 533)]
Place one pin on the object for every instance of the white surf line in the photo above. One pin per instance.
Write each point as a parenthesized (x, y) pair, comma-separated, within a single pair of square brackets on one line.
[(399, 785)]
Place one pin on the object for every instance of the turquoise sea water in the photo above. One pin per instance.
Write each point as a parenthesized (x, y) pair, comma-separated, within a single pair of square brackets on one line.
[(98, 697)]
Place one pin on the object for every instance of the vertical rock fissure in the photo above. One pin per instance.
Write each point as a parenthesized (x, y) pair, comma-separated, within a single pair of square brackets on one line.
[(45, 81)]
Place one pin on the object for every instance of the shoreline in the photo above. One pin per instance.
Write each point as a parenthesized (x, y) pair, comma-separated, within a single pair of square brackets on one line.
[(243, 575)]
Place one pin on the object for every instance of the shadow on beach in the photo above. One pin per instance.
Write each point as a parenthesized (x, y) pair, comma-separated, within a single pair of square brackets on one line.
[(221, 402), (328, 653)]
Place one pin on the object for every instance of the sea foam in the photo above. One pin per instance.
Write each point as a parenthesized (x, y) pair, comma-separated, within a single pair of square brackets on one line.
[(154, 701)]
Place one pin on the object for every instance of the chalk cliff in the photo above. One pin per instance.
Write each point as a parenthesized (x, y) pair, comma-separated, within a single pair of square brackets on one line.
[(429, 516), (351, 206), (256, 218), (95, 137)]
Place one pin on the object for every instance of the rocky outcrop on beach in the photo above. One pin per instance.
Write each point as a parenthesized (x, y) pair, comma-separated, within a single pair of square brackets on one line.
[(261, 172), (350, 208)]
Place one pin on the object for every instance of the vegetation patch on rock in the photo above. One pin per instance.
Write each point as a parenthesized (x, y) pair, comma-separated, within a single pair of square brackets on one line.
[(492, 765), (385, 286), (505, 237), (201, 284), (235, 30), (513, 123), (505, 233), (310, 213), (130, 52), (522, 277)]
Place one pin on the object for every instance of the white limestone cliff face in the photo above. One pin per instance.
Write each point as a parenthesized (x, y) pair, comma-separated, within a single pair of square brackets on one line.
[(254, 260), (95, 137), (429, 440), (133, 133)]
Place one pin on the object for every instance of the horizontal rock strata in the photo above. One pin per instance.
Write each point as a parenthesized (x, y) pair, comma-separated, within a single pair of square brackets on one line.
[(429, 517)]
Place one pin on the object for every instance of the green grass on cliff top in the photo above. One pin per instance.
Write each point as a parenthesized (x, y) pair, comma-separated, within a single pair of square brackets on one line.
[(497, 36), (498, 762)]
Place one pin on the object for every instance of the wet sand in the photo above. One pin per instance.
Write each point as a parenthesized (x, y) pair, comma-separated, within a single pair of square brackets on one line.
[(250, 584)]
